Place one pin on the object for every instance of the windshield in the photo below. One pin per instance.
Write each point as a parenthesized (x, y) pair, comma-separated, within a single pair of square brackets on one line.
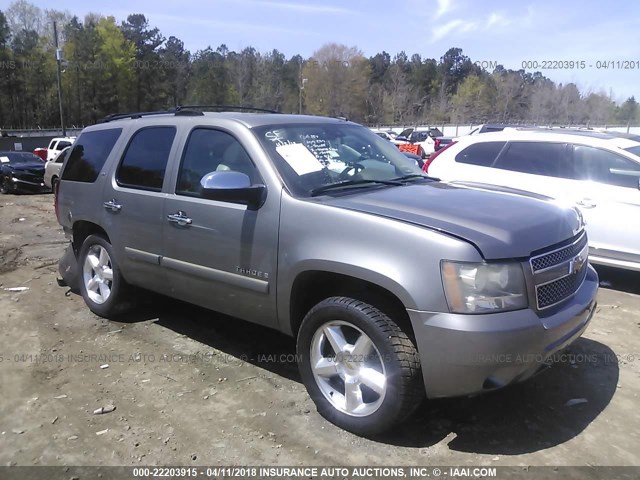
[(634, 150), (17, 158), (311, 157)]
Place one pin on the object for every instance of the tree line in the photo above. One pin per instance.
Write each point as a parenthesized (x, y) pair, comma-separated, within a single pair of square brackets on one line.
[(111, 67)]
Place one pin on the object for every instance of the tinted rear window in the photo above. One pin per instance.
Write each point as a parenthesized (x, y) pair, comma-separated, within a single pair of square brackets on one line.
[(145, 160), (419, 136), (89, 154), (482, 154), (537, 158)]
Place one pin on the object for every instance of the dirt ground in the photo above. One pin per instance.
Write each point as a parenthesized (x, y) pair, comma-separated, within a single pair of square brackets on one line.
[(192, 387)]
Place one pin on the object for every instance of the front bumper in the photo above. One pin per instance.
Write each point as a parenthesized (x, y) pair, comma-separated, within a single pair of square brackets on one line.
[(470, 354), (31, 185)]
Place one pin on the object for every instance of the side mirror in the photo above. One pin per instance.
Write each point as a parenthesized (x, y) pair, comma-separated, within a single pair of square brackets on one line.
[(234, 187)]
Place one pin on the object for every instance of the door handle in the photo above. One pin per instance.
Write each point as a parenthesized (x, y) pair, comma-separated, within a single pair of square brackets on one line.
[(180, 218), (586, 203), (112, 205)]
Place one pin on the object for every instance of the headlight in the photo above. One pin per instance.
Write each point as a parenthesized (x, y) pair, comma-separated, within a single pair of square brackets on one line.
[(484, 287)]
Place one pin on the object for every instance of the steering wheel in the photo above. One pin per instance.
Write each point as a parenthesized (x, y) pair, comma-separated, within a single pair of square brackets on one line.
[(345, 175)]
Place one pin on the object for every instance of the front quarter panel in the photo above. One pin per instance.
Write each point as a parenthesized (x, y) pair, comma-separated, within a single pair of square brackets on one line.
[(399, 257)]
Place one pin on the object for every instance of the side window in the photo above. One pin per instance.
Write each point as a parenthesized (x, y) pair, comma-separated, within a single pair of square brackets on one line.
[(62, 145), (209, 151), (537, 158), (89, 154), (599, 165), (145, 160), (419, 136), (63, 156), (482, 153)]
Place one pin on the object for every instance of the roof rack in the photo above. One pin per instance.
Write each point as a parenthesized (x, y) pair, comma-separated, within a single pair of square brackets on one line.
[(118, 116), (184, 110), (223, 108)]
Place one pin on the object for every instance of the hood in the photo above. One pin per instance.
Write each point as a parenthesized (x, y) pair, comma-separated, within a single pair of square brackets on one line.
[(32, 167), (500, 222)]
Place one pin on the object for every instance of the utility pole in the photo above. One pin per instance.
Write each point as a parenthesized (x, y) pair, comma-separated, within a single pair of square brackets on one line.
[(58, 62), (301, 83), (300, 89)]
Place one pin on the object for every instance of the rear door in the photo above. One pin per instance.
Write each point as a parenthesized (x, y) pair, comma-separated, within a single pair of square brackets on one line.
[(541, 167), (472, 163), (609, 198), (133, 204), (52, 150)]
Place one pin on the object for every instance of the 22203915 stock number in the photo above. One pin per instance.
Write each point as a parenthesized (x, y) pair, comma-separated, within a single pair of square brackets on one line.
[(180, 472), (580, 64), (165, 472)]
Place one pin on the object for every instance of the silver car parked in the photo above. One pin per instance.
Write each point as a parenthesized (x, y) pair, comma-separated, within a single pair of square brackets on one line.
[(53, 167), (394, 284)]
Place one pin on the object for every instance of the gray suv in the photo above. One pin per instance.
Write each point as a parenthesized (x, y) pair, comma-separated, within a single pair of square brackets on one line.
[(395, 285)]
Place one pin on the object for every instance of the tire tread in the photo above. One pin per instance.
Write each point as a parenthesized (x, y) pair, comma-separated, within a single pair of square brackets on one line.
[(411, 391)]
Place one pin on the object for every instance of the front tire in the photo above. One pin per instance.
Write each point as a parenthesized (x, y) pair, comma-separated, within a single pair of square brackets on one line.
[(360, 369), (101, 283), (5, 186)]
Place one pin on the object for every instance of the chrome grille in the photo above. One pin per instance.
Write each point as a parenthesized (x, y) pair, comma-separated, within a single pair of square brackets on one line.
[(556, 257), (552, 293), (558, 273)]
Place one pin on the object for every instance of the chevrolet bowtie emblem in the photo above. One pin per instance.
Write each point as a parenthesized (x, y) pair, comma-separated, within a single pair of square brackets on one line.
[(577, 263)]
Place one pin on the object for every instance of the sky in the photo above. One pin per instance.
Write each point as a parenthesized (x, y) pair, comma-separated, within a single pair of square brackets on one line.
[(512, 33)]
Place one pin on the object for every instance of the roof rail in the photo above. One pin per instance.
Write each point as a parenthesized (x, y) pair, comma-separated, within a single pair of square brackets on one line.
[(222, 108), (185, 110), (118, 116)]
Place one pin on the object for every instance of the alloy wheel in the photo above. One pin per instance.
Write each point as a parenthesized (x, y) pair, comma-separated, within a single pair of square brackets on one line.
[(97, 274), (348, 368)]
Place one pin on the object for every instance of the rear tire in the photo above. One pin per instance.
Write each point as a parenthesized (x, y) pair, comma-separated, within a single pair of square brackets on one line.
[(101, 284), (54, 185), (360, 369)]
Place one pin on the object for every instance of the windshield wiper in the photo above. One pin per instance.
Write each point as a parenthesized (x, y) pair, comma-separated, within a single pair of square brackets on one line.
[(349, 183), (415, 175)]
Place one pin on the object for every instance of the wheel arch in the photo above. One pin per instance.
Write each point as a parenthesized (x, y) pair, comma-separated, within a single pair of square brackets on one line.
[(82, 229), (312, 286)]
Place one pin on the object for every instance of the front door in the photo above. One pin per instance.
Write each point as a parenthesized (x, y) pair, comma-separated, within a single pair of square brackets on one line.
[(221, 255), (609, 199)]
